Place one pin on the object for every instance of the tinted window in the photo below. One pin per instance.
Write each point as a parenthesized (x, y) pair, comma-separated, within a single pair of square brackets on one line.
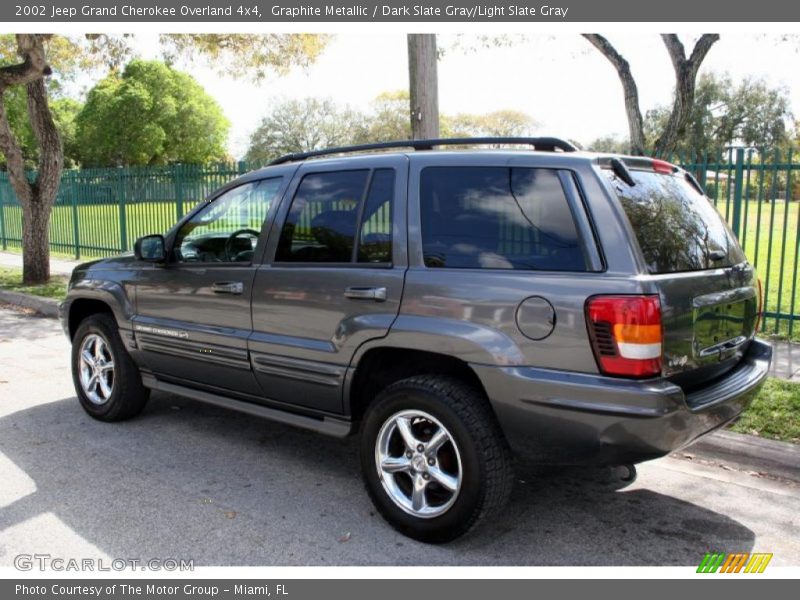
[(375, 238), (497, 218), (322, 221), (678, 229), (227, 229)]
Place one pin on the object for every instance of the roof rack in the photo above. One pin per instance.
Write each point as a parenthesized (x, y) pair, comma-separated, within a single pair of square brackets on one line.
[(547, 144)]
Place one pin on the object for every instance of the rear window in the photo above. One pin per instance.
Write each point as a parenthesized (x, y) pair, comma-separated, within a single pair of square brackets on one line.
[(497, 218), (678, 229)]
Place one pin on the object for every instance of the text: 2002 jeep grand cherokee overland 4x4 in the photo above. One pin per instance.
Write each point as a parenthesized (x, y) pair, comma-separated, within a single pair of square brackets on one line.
[(451, 306)]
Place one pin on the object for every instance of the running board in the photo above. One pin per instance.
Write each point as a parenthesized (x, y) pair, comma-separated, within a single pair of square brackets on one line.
[(328, 425)]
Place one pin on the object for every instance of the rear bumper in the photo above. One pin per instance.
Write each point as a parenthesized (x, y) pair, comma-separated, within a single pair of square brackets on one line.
[(574, 418)]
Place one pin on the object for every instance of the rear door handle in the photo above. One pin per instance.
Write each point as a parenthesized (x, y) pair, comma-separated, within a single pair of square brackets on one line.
[(227, 287), (378, 294)]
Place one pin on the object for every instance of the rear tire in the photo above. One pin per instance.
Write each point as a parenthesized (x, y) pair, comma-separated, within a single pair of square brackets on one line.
[(108, 383), (434, 459)]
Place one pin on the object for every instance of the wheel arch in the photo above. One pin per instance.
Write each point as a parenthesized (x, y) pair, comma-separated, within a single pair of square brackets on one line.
[(93, 297), (380, 366)]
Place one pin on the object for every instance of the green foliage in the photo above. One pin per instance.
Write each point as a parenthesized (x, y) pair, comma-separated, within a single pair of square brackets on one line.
[(70, 56), (251, 54), (499, 123), (64, 111), (313, 123), (302, 125), (612, 144), (749, 112), (390, 117), (73, 55), (151, 114)]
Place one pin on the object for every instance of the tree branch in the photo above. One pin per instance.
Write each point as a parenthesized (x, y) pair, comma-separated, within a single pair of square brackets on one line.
[(33, 66), (677, 53), (701, 48), (685, 79), (634, 113)]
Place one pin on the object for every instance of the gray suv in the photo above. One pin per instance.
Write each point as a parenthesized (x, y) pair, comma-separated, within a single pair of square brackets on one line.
[(454, 307)]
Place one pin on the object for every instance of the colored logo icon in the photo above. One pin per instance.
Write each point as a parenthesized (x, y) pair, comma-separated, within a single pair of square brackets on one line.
[(738, 562)]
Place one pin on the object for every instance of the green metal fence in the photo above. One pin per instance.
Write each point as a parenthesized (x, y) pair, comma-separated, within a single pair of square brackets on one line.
[(101, 212), (757, 190)]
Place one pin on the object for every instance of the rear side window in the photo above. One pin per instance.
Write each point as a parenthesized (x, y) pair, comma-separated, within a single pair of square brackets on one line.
[(375, 236), (678, 229), (340, 217), (497, 218)]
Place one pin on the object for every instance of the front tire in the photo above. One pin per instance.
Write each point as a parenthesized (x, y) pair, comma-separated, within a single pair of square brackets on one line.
[(434, 460), (107, 382)]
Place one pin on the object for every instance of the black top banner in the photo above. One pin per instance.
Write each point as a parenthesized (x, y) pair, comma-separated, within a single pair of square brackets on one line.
[(462, 11)]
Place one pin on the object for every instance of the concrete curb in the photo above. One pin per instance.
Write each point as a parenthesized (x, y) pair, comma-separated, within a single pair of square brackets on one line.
[(749, 453), (47, 307)]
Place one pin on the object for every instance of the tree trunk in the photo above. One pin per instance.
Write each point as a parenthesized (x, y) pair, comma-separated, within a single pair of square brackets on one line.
[(36, 242), (632, 110), (36, 198), (685, 80), (423, 86)]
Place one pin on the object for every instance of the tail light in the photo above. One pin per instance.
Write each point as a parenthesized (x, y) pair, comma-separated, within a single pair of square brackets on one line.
[(626, 334), (662, 166), (760, 306)]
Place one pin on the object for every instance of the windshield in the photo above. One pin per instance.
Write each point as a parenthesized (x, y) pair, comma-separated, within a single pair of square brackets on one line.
[(678, 229)]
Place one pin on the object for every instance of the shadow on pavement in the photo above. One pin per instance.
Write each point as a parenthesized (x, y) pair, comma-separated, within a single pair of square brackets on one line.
[(186, 480)]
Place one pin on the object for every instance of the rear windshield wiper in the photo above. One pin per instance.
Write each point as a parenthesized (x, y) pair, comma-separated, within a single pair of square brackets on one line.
[(694, 183), (716, 255), (621, 171)]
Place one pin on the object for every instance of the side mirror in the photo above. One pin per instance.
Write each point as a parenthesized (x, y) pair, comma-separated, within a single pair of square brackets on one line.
[(150, 248)]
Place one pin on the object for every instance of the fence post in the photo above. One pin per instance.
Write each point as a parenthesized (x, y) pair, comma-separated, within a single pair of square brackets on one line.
[(123, 221), (75, 226), (3, 222), (738, 192), (176, 177)]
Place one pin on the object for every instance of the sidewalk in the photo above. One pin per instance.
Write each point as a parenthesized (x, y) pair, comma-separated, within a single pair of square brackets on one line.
[(58, 266), (785, 360)]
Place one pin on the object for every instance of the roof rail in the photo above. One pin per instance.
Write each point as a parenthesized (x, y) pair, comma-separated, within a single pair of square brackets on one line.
[(547, 144)]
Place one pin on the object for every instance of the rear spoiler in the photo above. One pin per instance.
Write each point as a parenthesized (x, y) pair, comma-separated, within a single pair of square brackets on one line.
[(621, 168)]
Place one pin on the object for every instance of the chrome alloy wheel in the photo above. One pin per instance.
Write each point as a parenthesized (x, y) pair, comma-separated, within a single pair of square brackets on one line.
[(96, 369), (418, 463)]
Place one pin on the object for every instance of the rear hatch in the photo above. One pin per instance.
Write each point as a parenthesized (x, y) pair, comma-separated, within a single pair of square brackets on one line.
[(709, 292)]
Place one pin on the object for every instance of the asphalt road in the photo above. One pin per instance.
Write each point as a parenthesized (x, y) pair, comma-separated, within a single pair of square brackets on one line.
[(186, 480)]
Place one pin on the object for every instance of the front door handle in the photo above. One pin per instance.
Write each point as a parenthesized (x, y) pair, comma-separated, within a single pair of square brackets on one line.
[(227, 287), (378, 294)]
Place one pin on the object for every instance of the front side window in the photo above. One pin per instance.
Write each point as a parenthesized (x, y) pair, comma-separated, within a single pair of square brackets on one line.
[(227, 229), (340, 217), (497, 218)]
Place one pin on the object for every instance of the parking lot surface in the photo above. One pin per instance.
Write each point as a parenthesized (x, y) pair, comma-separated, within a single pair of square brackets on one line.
[(191, 481)]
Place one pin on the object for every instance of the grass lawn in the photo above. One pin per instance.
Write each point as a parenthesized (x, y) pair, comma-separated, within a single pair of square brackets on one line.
[(11, 279), (775, 258), (775, 412)]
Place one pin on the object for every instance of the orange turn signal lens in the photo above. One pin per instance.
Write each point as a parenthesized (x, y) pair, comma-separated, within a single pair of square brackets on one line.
[(637, 334)]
